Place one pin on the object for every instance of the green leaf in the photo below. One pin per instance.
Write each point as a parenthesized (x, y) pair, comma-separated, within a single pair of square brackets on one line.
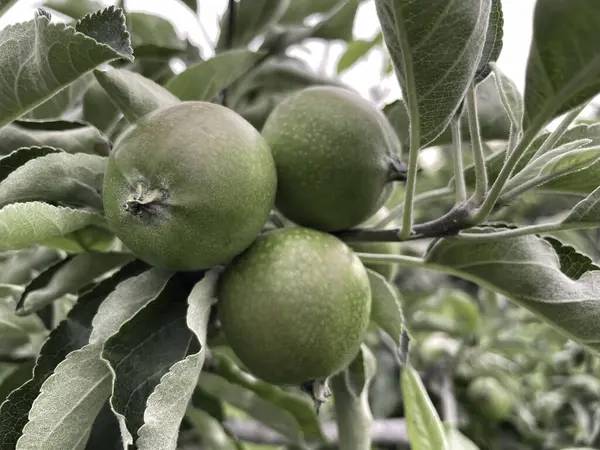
[(70, 335), (386, 310), (13, 325), (206, 79), (67, 277), (134, 94), (50, 56), (298, 11), (58, 178), (356, 50), (493, 42), (92, 238), (153, 36), (300, 407), (493, 120), (5, 5), (423, 424), (72, 137), (350, 394), (192, 4), (510, 97), (98, 108), (25, 224), (105, 433), (572, 263), (73, 8), (18, 158), (254, 17), (527, 270), (253, 405), (587, 211), (175, 389), (562, 73), (210, 429), (161, 338), (338, 25), (437, 67)]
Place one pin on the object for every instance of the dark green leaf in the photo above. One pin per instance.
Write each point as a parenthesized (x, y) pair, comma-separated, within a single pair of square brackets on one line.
[(192, 4), (339, 25), (72, 137), (5, 5), (386, 311), (493, 42), (67, 277), (438, 66), (301, 408), (63, 101), (24, 224), (17, 377), (18, 158), (64, 54), (134, 94), (58, 178), (161, 338), (527, 270), (70, 335), (424, 426), (254, 17), (153, 36), (562, 73), (105, 433), (572, 263), (206, 79), (356, 50)]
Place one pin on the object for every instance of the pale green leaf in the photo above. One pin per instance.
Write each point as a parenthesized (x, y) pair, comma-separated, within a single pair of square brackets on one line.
[(47, 57), (510, 97), (68, 403), (134, 94), (210, 429), (153, 36), (73, 8), (458, 441), (587, 211), (434, 67), (25, 224), (425, 429), (58, 178), (386, 310), (527, 269), (72, 137), (17, 158), (206, 79), (562, 73), (166, 406), (69, 277)]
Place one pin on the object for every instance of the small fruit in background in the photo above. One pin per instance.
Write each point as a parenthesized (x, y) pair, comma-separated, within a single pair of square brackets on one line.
[(295, 305), (189, 186), (336, 158), (490, 397)]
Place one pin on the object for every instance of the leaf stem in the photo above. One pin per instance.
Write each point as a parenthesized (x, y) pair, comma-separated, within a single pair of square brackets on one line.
[(352, 415), (524, 231), (553, 138), (481, 179), (428, 195), (457, 156)]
